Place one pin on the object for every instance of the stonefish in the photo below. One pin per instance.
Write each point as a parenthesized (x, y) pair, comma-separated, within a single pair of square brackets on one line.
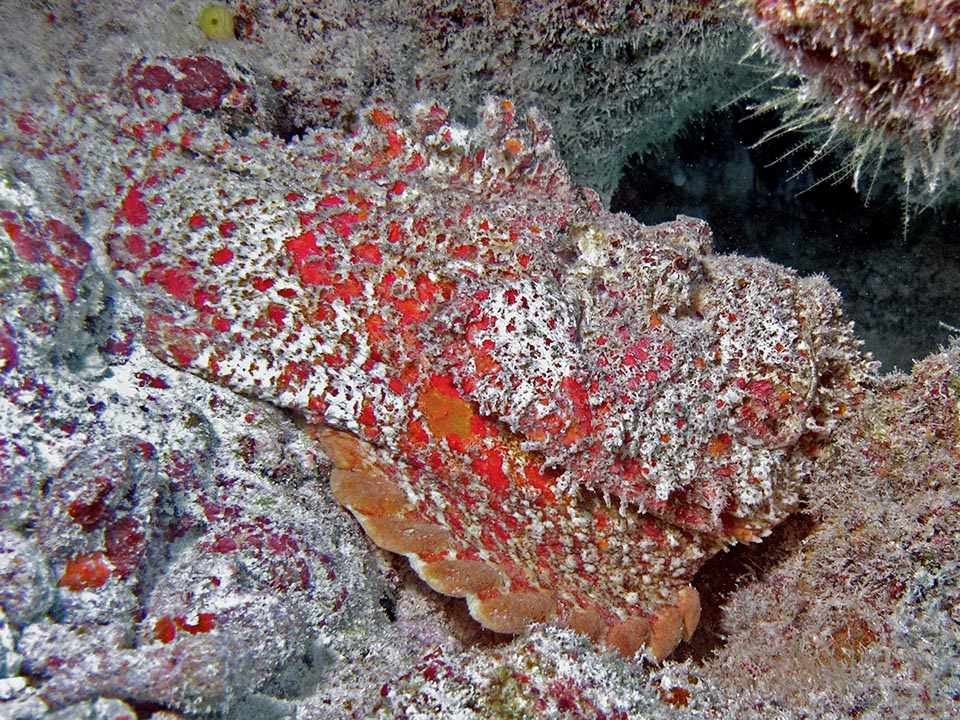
[(552, 411)]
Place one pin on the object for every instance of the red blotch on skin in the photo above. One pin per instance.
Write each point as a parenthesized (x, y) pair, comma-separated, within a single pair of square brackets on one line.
[(277, 313), (262, 284), (760, 388), (205, 623), (330, 201), (303, 246), (490, 467), (136, 246), (24, 246), (178, 282), (85, 571), (381, 118), (367, 252), (349, 288), (541, 482), (224, 545), (720, 445), (132, 208), (393, 232), (9, 357), (222, 256), (445, 412), (147, 380), (314, 273)]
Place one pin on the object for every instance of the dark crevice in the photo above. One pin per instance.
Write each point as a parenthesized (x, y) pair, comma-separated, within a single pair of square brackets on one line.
[(729, 571), (769, 200)]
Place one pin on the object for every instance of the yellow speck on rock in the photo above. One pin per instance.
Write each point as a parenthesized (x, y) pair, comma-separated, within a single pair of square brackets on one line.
[(216, 21)]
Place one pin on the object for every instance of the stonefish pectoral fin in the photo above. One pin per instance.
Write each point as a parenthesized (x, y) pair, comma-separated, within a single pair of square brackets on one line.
[(552, 411)]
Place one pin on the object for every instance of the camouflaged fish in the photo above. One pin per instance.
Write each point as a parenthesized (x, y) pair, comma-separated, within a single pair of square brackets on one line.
[(552, 411)]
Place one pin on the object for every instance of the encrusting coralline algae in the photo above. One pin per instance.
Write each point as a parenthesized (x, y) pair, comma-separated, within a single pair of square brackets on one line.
[(553, 411)]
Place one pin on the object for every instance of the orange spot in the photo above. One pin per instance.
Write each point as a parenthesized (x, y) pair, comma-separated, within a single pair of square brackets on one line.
[(719, 445), (445, 412), (512, 146), (85, 571), (381, 118)]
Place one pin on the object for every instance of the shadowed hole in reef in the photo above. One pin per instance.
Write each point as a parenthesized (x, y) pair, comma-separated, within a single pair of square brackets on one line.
[(727, 572), (897, 286)]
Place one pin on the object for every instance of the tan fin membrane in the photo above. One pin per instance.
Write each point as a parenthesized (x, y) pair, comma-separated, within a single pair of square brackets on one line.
[(361, 481), (628, 636), (367, 492), (460, 578), (513, 612)]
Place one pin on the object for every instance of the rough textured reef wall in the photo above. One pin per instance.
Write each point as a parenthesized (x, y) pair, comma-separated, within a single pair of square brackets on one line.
[(613, 77)]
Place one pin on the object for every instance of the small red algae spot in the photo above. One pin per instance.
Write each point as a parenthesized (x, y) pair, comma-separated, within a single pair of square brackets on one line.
[(226, 228), (164, 630), (224, 545), (197, 221), (398, 187), (222, 256), (89, 570)]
